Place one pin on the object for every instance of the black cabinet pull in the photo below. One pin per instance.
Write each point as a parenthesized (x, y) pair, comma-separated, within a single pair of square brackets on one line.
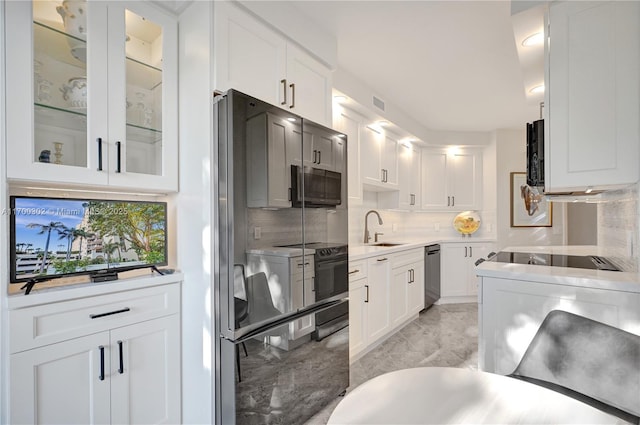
[(470, 251), (453, 201), (367, 299), (448, 201), (118, 152), (99, 140), (354, 271), (101, 376), (319, 157), (121, 368), (465, 251), (97, 316), (382, 259)]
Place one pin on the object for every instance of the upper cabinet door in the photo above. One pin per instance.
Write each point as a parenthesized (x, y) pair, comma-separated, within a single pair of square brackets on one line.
[(593, 95), (465, 178), (309, 83), (52, 134), (434, 181), (143, 96), (254, 59), (85, 111), (249, 56)]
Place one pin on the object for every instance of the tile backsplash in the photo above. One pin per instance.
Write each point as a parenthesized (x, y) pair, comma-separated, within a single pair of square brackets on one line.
[(281, 227), (619, 227)]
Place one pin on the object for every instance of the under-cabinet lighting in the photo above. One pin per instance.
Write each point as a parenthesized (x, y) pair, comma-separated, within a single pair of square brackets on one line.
[(342, 136), (339, 99), (291, 119), (55, 189), (533, 40), (373, 127), (537, 89)]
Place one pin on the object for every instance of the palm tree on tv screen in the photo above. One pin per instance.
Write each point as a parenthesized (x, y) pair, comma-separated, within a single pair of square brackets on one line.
[(46, 228), (141, 225)]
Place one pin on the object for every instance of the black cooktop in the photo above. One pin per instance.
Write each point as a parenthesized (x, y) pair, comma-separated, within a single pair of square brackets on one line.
[(573, 261), (323, 249)]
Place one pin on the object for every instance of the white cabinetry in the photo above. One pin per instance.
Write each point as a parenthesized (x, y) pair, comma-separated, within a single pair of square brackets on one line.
[(407, 286), (385, 292), (253, 58), (458, 280), (377, 297), (408, 196), (451, 179), (357, 307), (114, 358), (96, 106), (593, 95), (351, 124), (512, 310), (379, 160)]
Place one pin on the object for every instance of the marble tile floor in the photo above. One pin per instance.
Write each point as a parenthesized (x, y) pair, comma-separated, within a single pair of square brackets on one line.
[(443, 335)]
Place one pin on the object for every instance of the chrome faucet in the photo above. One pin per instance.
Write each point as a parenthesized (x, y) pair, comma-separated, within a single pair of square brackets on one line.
[(367, 237)]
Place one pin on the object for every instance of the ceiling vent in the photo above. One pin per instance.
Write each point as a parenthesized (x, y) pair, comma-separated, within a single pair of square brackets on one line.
[(378, 103)]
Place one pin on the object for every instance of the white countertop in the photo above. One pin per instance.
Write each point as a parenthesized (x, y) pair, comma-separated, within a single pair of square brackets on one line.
[(47, 294), (360, 252), (585, 278)]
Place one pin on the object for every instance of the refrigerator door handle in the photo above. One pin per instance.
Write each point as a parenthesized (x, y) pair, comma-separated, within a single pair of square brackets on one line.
[(284, 320)]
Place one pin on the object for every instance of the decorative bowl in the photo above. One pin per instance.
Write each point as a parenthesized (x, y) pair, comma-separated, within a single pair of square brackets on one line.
[(467, 222), (74, 18), (75, 92)]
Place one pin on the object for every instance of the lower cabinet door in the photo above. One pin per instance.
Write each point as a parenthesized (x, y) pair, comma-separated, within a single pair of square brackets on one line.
[(145, 372), (415, 291), (400, 278), (63, 383), (377, 298), (357, 316)]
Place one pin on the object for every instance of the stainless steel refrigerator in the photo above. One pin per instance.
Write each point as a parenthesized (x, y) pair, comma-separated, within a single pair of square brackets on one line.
[(281, 284)]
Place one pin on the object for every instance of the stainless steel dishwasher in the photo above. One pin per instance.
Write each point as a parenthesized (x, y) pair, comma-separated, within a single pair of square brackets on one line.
[(431, 275)]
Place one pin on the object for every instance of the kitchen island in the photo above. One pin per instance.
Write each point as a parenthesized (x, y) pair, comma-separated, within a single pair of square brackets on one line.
[(513, 299)]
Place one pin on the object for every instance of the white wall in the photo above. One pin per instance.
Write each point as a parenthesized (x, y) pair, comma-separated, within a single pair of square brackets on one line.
[(4, 243), (511, 156), (195, 215)]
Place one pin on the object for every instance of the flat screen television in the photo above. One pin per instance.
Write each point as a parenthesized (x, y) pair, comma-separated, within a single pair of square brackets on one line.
[(56, 237)]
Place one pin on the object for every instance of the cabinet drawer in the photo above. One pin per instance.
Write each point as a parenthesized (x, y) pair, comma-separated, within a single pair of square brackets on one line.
[(298, 264), (407, 257), (357, 270), (50, 323)]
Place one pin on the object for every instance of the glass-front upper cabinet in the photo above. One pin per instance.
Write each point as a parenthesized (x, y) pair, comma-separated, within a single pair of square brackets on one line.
[(92, 88)]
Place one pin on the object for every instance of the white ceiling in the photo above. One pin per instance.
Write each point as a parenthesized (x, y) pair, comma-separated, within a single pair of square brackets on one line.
[(451, 65)]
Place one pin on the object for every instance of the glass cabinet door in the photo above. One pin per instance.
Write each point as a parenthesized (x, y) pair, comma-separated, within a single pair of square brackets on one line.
[(87, 93), (140, 64), (60, 82)]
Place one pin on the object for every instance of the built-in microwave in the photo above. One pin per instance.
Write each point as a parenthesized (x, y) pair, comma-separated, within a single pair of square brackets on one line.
[(322, 188), (535, 154)]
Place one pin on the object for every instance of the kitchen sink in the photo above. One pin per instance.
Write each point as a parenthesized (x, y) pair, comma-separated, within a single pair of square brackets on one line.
[(387, 244)]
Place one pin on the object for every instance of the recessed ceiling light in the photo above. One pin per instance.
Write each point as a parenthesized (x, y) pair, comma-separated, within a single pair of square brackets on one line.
[(382, 123), (537, 89), (533, 40)]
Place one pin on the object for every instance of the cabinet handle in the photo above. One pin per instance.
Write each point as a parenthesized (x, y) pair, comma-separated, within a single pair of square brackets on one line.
[(121, 368), (448, 201), (118, 151), (367, 288), (319, 157), (470, 251), (97, 316), (303, 264), (354, 271), (465, 251), (101, 376), (413, 199), (382, 259), (284, 91), (99, 140), (293, 95), (413, 275), (453, 201)]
